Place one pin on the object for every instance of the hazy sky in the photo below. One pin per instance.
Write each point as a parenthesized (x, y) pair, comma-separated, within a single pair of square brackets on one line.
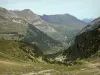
[(79, 8)]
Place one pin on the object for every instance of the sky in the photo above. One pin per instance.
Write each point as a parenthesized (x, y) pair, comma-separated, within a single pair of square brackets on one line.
[(78, 8)]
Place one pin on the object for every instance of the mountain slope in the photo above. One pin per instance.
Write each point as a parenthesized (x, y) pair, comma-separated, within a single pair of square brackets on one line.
[(87, 42), (57, 32), (64, 19), (17, 51), (35, 20), (13, 27)]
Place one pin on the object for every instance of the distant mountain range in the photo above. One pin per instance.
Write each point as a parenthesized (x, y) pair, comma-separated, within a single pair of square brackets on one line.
[(88, 20), (35, 29), (64, 19), (63, 33)]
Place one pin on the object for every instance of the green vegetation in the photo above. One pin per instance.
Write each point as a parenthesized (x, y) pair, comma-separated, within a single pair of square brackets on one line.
[(15, 59), (86, 44), (17, 50), (15, 68)]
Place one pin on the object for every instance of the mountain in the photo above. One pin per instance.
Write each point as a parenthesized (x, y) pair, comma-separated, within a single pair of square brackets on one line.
[(88, 20), (61, 33), (30, 17), (36, 21), (87, 42), (64, 19), (13, 27)]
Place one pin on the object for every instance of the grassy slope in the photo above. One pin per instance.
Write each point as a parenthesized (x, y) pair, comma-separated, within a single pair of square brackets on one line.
[(19, 68), (13, 61), (17, 51)]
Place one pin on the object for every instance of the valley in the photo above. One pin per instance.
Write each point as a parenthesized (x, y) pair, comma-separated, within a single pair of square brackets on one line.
[(32, 44)]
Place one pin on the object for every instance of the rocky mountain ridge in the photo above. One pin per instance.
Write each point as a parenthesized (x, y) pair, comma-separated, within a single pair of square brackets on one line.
[(13, 27), (59, 32)]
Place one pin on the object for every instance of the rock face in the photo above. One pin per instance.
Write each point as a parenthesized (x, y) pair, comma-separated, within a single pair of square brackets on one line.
[(27, 14), (87, 42), (14, 27), (64, 19)]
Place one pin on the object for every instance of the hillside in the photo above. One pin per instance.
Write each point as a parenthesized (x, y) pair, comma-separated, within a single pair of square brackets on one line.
[(57, 32), (16, 58), (13, 27), (18, 51), (87, 42), (64, 19)]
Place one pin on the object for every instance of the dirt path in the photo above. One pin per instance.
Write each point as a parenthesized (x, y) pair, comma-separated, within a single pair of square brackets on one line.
[(8, 62), (46, 72), (92, 69)]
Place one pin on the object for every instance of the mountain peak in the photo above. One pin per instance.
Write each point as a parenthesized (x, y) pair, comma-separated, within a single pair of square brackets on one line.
[(7, 13), (28, 11), (27, 14), (2, 9)]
